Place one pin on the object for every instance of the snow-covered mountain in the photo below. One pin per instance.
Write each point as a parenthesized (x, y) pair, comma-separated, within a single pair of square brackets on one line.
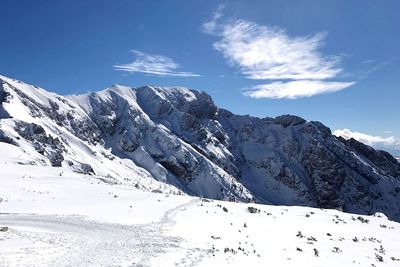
[(176, 140)]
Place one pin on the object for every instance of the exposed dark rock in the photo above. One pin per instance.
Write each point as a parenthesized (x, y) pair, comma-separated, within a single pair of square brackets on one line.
[(326, 176), (175, 168), (86, 168), (4, 98), (44, 144), (289, 120), (382, 159), (6, 139), (202, 107)]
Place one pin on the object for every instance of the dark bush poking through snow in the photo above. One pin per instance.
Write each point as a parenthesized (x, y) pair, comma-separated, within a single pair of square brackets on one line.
[(253, 210)]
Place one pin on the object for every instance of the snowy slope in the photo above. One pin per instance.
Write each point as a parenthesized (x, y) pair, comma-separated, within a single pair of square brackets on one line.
[(176, 140), (80, 220), (32, 122)]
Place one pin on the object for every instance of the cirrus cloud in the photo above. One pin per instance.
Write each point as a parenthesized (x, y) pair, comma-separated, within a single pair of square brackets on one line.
[(154, 65), (294, 89), (288, 63)]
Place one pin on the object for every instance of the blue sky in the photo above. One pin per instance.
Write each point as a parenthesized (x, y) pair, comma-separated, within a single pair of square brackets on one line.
[(333, 61)]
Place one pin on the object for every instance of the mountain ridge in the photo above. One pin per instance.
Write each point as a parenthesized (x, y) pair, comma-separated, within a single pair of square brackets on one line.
[(180, 139)]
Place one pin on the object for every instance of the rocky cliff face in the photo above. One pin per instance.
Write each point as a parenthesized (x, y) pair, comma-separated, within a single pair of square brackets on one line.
[(179, 137)]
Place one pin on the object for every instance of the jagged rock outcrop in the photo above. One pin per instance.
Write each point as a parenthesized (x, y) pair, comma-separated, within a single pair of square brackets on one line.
[(382, 159), (44, 144), (180, 137)]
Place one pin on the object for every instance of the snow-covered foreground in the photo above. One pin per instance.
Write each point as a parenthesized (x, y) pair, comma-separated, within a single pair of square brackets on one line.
[(60, 218)]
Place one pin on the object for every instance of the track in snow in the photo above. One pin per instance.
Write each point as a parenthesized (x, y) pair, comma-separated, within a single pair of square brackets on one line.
[(73, 241)]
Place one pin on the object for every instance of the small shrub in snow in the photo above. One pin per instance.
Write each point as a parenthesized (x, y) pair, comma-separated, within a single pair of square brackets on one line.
[(374, 239), (336, 250), (311, 238), (158, 191), (299, 249), (378, 258), (355, 239), (299, 234), (253, 210), (361, 219), (226, 250), (381, 250), (316, 252)]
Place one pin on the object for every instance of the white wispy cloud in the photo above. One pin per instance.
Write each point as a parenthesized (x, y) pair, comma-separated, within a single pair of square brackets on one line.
[(390, 143), (211, 26), (268, 53), (295, 89), (263, 52), (373, 66), (154, 65)]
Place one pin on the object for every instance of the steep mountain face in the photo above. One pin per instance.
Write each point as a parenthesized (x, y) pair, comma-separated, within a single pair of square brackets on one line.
[(179, 139)]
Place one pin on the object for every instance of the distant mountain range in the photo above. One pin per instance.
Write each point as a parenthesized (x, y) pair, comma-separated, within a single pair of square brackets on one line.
[(180, 138)]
